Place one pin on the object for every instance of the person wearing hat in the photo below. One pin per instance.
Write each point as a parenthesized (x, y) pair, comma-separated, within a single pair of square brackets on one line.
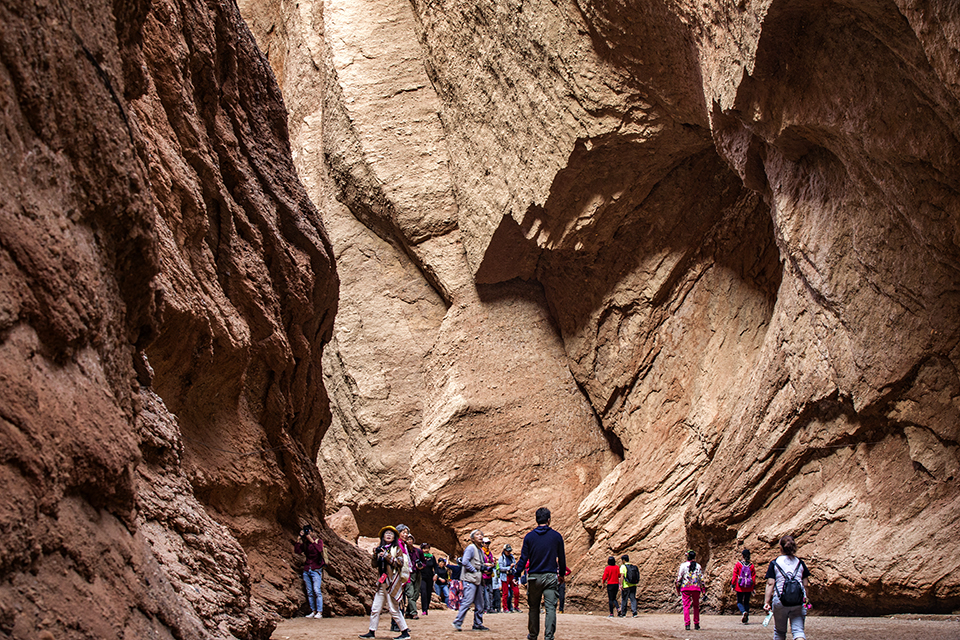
[(491, 599), (508, 581), (315, 559), (393, 570)]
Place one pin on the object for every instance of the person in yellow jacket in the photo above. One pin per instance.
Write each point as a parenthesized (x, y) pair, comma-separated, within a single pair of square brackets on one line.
[(628, 589)]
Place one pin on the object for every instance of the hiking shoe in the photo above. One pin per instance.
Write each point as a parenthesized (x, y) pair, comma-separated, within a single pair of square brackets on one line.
[(696, 626), (481, 628), (368, 634), (405, 634)]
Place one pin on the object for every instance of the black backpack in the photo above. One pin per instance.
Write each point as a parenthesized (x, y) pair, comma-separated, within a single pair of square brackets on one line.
[(791, 594), (633, 574)]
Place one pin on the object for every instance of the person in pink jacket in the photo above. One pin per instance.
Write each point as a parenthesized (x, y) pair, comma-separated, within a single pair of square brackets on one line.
[(744, 582)]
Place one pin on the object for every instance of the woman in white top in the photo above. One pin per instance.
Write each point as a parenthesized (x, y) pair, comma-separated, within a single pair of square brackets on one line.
[(786, 593)]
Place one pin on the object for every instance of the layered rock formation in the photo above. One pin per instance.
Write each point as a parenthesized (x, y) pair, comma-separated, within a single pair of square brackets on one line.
[(167, 290), (686, 272)]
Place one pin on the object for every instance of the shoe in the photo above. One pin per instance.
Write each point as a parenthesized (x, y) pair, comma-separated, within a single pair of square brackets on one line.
[(368, 634), (394, 627), (481, 628), (687, 627), (456, 628), (610, 615), (634, 615), (696, 626), (746, 617), (405, 634), (424, 613)]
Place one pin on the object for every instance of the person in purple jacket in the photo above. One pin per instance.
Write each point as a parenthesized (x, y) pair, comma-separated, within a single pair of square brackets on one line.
[(543, 548)]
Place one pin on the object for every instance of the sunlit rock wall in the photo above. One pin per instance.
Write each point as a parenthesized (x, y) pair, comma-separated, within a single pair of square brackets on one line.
[(686, 272)]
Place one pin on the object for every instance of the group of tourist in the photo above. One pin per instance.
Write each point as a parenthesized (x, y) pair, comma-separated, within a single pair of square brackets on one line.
[(476, 580), (785, 596), (408, 572)]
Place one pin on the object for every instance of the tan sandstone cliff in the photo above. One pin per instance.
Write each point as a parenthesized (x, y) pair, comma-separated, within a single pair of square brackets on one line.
[(167, 290), (686, 272)]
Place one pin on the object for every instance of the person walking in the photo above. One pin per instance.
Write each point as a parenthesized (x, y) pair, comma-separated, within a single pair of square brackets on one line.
[(426, 577), (393, 570), (690, 585), (611, 579), (441, 583), (629, 579), (543, 549), (786, 592), (315, 559), (743, 582), (510, 590), (471, 571)]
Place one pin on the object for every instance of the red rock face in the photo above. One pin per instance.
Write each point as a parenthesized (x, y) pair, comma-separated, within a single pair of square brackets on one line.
[(167, 289), (734, 225)]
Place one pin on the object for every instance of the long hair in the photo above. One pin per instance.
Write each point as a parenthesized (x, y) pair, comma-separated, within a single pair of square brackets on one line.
[(691, 556)]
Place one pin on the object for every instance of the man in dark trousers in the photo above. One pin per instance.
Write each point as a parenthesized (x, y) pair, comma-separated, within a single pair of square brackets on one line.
[(543, 547)]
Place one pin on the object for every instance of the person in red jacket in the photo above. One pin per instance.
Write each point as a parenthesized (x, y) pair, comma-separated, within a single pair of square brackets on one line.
[(611, 579), (744, 582)]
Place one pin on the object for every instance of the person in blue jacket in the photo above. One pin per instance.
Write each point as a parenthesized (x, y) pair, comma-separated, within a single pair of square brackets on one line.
[(543, 548)]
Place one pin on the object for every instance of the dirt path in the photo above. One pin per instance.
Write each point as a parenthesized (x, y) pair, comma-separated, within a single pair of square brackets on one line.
[(512, 626)]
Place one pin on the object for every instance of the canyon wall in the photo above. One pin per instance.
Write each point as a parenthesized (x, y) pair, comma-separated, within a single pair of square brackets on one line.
[(685, 272), (167, 291)]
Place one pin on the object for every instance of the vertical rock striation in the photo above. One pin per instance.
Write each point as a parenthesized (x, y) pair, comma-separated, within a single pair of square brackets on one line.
[(167, 290), (722, 236)]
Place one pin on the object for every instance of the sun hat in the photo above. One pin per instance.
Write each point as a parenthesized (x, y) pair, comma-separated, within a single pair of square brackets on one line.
[(396, 534)]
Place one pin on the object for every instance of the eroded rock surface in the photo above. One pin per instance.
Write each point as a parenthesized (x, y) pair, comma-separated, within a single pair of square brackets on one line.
[(167, 290), (724, 235)]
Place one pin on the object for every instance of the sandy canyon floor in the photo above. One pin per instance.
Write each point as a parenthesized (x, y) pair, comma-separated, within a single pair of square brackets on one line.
[(437, 626)]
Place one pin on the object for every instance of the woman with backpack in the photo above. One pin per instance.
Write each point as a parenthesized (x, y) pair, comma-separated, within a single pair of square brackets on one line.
[(690, 585), (786, 593), (744, 581)]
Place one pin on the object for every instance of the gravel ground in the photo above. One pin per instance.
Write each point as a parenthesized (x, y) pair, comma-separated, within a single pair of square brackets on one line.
[(571, 626)]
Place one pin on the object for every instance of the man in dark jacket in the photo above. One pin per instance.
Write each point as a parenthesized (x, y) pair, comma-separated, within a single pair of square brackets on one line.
[(543, 548)]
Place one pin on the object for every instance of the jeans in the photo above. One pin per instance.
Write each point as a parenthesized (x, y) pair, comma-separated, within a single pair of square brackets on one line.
[(628, 594), (562, 593), (487, 590), (743, 601), (311, 580), (472, 595), (443, 590), (542, 587), (782, 615)]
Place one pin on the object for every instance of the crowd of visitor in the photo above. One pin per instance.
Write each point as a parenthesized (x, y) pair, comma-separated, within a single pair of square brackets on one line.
[(410, 575)]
